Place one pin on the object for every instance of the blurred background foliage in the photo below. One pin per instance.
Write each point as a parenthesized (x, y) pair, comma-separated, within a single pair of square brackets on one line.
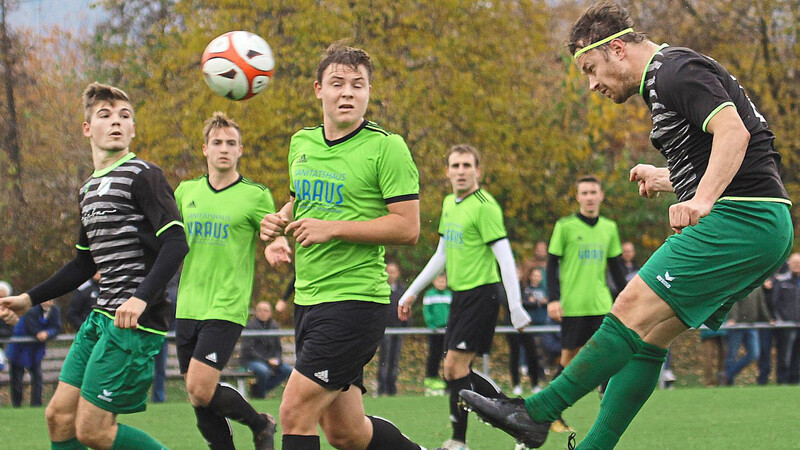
[(493, 74)]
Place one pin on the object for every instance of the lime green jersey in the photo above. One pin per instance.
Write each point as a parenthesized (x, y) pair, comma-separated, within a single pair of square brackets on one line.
[(352, 179), (469, 226), (221, 229), (584, 251)]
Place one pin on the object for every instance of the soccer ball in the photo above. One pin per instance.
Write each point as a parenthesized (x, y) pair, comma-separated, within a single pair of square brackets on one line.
[(238, 65)]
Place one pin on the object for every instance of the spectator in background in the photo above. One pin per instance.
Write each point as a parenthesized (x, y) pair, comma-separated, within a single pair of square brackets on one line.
[(629, 266), (435, 309), (389, 353), (766, 336), (713, 350), (534, 300), (82, 301), (786, 300), (540, 260), (746, 311), (263, 354), (6, 330), (42, 322)]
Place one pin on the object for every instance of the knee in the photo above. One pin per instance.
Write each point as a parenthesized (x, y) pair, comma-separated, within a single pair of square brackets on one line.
[(59, 418), (93, 435), (200, 393)]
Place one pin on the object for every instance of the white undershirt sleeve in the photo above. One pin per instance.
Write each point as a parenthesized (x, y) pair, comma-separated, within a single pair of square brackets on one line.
[(434, 267), (508, 273)]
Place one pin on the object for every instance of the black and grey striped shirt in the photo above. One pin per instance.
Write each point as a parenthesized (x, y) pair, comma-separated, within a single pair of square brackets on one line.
[(124, 209), (684, 90)]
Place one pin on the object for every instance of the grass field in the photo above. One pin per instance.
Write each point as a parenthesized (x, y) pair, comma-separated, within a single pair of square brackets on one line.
[(692, 418)]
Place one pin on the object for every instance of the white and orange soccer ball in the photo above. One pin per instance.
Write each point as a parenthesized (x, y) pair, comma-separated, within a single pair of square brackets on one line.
[(238, 65)]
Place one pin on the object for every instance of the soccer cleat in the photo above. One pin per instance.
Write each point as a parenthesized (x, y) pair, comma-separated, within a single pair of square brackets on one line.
[(452, 444), (517, 390), (560, 426), (509, 415), (265, 439)]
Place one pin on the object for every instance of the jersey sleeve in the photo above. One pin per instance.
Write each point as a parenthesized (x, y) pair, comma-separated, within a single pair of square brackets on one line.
[(155, 198), (556, 246), (614, 245), (691, 87), (398, 177), (490, 223), (83, 240), (265, 205), (441, 216)]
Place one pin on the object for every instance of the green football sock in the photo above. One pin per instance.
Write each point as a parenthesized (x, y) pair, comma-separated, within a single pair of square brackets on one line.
[(606, 353), (71, 444), (129, 438), (627, 392)]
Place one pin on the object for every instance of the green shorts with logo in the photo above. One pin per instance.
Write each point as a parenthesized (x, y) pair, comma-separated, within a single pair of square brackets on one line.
[(112, 367), (705, 269)]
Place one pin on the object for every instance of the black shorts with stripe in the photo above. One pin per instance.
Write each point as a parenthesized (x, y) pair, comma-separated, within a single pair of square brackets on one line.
[(209, 341), (335, 340), (473, 316)]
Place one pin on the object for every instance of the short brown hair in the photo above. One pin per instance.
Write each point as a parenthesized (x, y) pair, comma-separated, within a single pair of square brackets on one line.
[(464, 149), (97, 93), (600, 21), (588, 179), (341, 53), (217, 121)]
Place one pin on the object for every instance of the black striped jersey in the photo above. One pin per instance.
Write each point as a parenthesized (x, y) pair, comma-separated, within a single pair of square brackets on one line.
[(124, 208), (684, 90)]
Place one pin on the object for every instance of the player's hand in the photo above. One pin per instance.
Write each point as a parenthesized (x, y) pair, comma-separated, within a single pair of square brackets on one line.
[(8, 316), (404, 307), (554, 311), (273, 225), (309, 231), (128, 313), (42, 336), (651, 179), (688, 213), (278, 252), (280, 307), (12, 308)]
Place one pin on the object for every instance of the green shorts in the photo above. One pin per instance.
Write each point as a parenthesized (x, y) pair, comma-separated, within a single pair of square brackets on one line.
[(707, 268), (112, 367)]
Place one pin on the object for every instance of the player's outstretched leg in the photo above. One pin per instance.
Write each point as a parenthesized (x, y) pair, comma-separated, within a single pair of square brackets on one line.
[(627, 392), (605, 354)]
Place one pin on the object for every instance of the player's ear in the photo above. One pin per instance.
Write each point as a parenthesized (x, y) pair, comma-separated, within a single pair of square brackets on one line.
[(133, 130), (317, 89), (617, 48), (85, 128)]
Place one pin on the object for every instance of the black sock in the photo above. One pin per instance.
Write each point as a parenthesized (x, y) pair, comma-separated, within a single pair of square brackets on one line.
[(214, 428), (228, 402), (385, 435), (299, 442), (458, 416), (484, 385)]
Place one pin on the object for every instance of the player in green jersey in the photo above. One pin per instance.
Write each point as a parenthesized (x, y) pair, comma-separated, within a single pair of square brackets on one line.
[(732, 223), (477, 254), (222, 211), (131, 233), (354, 188)]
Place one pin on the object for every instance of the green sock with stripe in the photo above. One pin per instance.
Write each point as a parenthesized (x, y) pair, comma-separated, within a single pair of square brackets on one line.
[(627, 392), (606, 353)]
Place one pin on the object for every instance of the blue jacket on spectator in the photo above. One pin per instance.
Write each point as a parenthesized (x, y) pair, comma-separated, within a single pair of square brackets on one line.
[(29, 354)]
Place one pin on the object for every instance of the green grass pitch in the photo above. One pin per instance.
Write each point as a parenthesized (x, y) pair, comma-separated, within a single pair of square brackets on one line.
[(692, 418)]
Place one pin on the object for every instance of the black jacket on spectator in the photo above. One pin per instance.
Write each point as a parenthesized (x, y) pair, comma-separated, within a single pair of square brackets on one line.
[(786, 297), (261, 347)]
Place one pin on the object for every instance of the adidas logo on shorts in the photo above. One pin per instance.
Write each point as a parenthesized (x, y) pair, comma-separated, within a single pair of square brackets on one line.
[(462, 345), (212, 357), (322, 375)]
